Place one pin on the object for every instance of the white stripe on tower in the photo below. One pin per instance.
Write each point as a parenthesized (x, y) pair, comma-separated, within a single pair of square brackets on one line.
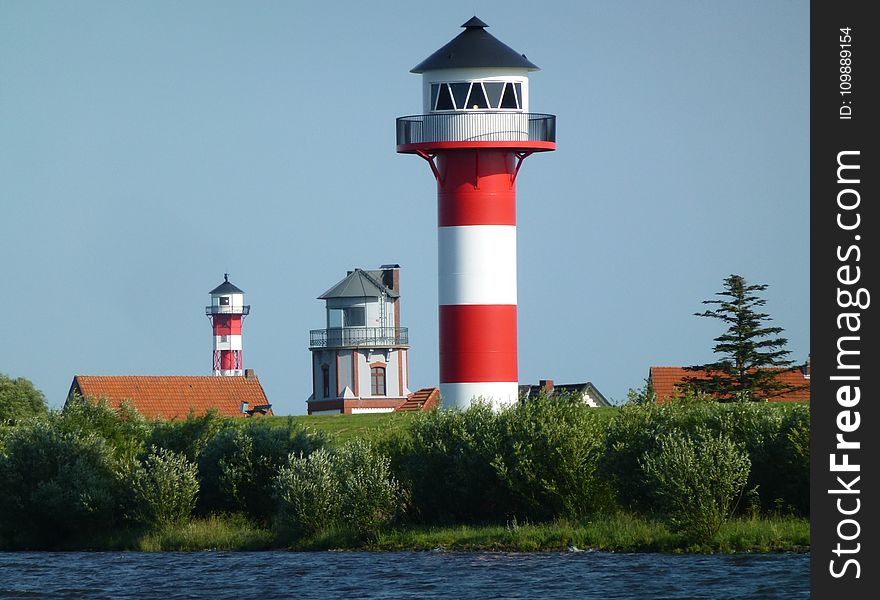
[(477, 264)]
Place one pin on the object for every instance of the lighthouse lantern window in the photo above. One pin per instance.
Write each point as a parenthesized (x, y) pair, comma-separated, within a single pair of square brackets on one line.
[(494, 89), (477, 99), (508, 99), (476, 95), (443, 97), (459, 94), (224, 300)]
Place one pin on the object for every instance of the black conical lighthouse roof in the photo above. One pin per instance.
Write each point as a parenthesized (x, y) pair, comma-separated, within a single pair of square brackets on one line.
[(225, 287), (474, 47)]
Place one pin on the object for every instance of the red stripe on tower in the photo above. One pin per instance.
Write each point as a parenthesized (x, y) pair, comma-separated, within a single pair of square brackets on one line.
[(475, 133)]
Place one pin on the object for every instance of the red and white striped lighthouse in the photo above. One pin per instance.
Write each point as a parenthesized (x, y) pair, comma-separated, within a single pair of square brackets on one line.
[(475, 132), (226, 312)]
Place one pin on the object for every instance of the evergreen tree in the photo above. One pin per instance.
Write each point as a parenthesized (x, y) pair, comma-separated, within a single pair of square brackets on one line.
[(753, 356)]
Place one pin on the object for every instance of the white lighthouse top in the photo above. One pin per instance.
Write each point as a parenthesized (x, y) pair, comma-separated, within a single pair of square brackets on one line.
[(475, 72), (227, 298)]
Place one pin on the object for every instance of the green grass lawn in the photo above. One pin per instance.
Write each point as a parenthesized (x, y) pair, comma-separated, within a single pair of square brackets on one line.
[(342, 428)]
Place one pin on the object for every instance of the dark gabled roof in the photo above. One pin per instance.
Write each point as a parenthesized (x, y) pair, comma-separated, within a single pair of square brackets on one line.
[(358, 284), (530, 391), (474, 47), (226, 287)]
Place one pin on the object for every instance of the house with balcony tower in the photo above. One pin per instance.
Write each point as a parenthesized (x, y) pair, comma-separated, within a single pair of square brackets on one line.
[(360, 358)]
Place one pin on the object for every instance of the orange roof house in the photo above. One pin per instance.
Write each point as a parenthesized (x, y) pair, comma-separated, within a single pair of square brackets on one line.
[(665, 380), (166, 397)]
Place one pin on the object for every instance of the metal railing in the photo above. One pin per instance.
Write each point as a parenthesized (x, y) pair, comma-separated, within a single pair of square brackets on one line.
[(476, 127), (227, 310), (343, 337)]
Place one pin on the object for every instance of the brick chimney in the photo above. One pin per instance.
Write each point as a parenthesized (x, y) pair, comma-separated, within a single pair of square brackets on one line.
[(391, 277), (546, 386)]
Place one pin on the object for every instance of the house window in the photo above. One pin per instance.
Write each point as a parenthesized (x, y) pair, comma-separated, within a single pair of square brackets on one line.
[(377, 381), (325, 374)]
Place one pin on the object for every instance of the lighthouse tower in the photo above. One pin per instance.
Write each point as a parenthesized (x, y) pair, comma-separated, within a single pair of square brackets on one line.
[(475, 132), (226, 312)]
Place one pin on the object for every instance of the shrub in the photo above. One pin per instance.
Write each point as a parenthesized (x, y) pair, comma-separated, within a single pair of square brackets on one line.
[(55, 484), (630, 435), (697, 480), (350, 489), (239, 464), (188, 437), (369, 494), (447, 465), (779, 470), (307, 495), (549, 449), (20, 400), (124, 429), (163, 489)]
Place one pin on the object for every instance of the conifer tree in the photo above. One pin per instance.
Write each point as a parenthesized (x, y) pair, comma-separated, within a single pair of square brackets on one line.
[(753, 356)]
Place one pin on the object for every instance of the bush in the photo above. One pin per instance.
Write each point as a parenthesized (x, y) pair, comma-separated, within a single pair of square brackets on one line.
[(20, 400), (697, 480), (630, 435), (351, 489), (124, 429), (548, 452), (779, 467), (188, 437), (239, 464), (447, 465), (369, 494), (307, 493), (163, 489), (55, 484)]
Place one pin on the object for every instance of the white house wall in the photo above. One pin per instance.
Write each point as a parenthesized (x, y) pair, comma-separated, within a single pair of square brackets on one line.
[(392, 378), (345, 370)]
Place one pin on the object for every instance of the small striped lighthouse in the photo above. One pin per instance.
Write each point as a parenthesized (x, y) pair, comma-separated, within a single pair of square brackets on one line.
[(475, 132), (226, 312)]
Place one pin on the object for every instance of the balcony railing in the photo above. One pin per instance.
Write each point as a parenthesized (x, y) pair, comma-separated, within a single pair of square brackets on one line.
[(227, 310), (359, 337), (476, 127)]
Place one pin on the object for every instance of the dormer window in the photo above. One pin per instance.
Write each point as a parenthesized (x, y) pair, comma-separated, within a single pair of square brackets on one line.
[(476, 95)]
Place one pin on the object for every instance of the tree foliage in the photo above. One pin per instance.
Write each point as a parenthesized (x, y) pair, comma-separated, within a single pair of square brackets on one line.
[(19, 399), (753, 356)]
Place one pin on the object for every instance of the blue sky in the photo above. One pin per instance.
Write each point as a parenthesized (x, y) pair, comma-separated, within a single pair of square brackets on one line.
[(148, 147)]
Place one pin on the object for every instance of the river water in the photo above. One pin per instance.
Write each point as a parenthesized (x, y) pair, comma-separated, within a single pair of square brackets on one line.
[(326, 575)]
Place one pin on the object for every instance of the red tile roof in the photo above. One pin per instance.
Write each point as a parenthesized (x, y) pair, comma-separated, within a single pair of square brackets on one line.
[(174, 397), (664, 380)]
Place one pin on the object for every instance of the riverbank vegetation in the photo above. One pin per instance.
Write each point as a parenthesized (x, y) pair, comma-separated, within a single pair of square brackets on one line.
[(551, 474)]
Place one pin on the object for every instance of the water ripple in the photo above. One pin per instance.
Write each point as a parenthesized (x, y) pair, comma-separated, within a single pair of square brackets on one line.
[(393, 575)]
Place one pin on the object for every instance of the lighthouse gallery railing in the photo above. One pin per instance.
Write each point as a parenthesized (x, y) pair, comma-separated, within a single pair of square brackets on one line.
[(476, 127), (346, 337)]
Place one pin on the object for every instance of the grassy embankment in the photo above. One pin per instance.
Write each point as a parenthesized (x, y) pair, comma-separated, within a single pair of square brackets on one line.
[(620, 533)]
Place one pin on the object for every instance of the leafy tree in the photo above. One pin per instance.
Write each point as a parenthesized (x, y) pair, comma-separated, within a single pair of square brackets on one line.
[(19, 399), (753, 356)]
